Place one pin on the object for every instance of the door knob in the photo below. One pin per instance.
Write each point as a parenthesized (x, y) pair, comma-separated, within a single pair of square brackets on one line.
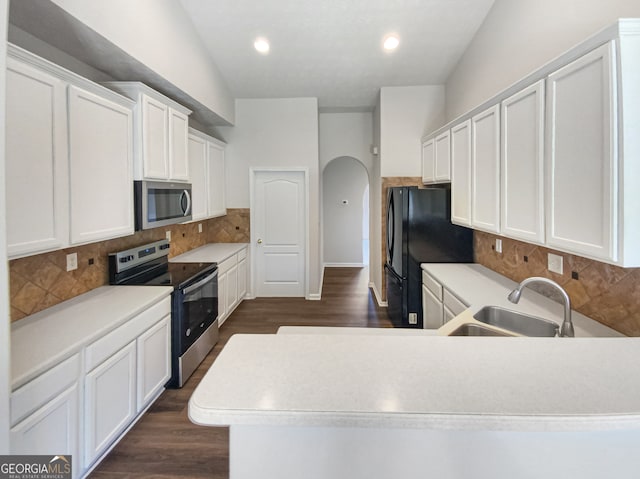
[(259, 241)]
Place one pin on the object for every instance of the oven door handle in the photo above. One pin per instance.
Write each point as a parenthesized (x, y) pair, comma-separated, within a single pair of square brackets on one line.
[(200, 283)]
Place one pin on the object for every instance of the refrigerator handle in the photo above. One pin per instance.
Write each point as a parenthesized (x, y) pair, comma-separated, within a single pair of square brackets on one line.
[(390, 229)]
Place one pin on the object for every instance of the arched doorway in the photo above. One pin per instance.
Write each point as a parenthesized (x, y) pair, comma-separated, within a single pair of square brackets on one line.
[(345, 196)]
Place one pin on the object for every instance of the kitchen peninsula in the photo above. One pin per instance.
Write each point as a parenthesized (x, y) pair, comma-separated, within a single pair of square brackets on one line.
[(379, 406)]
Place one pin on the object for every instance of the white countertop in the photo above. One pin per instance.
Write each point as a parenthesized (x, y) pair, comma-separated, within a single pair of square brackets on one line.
[(524, 384), (209, 253), (477, 286), (44, 339)]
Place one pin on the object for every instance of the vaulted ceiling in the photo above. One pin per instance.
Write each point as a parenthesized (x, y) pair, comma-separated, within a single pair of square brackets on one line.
[(332, 49)]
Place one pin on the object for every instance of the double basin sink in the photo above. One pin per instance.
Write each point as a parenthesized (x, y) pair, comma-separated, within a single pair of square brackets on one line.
[(511, 323)]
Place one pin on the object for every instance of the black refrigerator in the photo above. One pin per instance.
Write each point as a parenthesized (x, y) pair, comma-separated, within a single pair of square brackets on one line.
[(419, 230)]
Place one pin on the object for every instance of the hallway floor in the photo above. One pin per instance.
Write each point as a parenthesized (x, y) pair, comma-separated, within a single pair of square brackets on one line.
[(165, 444)]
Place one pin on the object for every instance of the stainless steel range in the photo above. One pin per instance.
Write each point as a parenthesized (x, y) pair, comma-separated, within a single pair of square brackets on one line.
[(194, 301)]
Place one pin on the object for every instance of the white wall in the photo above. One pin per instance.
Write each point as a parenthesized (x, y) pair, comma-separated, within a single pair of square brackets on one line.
[(5, 346), (375, 225), (159, 34), (406, 114), (343, 180), (276, 133), (346, 134), (520, 36)]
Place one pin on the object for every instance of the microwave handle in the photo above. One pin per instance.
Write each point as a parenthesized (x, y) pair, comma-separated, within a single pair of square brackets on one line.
[(193, 287), (185, 194)]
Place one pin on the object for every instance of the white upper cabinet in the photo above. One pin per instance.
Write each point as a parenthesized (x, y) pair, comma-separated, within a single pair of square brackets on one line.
[(161, 133), (428, 161), (582, 156), (100, 167), (442, 169), (485, 170), (461, 174), (523, 164), (206, 160), (36, 160), (69, 158), (436, 159), (216, 179)]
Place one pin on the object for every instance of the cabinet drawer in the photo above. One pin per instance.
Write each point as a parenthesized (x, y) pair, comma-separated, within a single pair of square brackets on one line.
[(227, 264), (242, 254), (103, 348), (42, 389), (453, 304), (432, 285)]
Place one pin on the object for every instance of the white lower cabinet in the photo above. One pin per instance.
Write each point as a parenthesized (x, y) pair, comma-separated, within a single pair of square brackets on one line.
[(439, 305), (431, 310), (110, 400), (232, 284), (154, 361)]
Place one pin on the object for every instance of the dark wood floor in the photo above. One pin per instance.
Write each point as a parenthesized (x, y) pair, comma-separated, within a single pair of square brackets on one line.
[(165, 444)]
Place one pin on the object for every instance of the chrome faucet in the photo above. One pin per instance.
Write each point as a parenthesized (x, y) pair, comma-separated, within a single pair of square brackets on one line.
[(566, 330)]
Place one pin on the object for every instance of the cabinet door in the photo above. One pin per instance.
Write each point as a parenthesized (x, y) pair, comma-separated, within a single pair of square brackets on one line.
[(155, 129), (485, 170), (428, 161), (242, 279), (178, 148), (223, 307), (523, 165), (52, 429), (154, 361), (199, 171), (100, 168), (216, 181), (36, 151), (432, 312), (232, 288), (581, 156), (110, 401), (447, 315), (442, 168), (461, 174)]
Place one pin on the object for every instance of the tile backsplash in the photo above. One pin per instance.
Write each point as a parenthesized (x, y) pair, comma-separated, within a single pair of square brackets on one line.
[(606, 293), (41, 281)]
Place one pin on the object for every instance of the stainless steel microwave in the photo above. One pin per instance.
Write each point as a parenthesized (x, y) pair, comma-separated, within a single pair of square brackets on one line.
[(159, 203)]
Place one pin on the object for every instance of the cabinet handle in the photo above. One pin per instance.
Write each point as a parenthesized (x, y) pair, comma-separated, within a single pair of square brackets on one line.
[(259, 241)]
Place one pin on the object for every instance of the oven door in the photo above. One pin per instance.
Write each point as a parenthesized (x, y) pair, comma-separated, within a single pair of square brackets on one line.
[(160, 203), (195, 309)]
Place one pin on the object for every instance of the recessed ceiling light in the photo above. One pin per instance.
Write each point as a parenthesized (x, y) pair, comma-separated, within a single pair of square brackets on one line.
[(391, 42), (262, 45)]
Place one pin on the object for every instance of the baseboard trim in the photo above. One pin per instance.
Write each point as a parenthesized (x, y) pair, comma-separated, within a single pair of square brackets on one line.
[(344, 265), (382, 304), (314, 297)]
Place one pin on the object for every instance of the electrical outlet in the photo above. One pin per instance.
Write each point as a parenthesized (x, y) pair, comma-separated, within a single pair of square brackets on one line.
[(72, 261), (199, 227), (554, 263), (168, 235), (498, 245), (413, 318)]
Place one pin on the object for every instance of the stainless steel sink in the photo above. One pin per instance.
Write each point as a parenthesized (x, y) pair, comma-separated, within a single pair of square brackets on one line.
[(471, 329), (517, 322)]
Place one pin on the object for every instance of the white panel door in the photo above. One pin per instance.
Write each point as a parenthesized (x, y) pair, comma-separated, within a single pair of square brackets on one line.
[(216, 180), (100, 168), (442, 169), (154, 361), (485, 170), (461, 174), (199, 171), (36, 167), (155, 129), (523, 164), (110, 400), (279, 223), (428, 161), (178, 148), (581, 104)]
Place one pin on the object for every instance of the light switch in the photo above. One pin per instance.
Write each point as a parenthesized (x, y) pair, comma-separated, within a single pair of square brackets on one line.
[(168, 235), (498, 245), (72, 261)]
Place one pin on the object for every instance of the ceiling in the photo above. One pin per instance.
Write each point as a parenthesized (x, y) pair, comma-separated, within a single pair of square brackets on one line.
[(332, 49)]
